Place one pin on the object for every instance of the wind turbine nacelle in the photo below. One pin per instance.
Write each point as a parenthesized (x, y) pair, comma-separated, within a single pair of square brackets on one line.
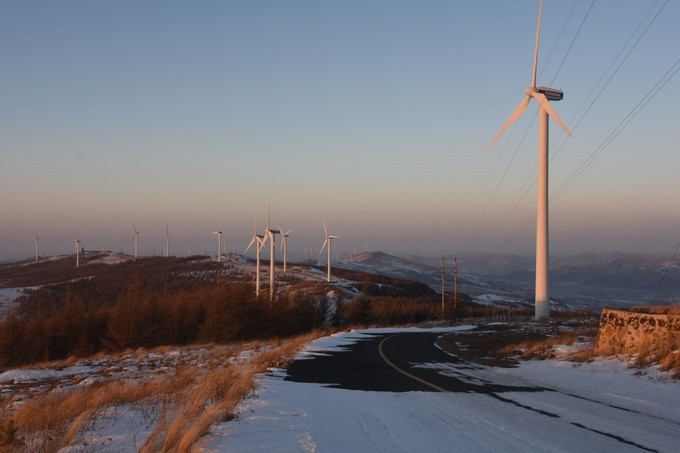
[(551, 93)]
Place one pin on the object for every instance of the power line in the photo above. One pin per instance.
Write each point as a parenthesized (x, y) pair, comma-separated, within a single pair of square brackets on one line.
[(529, 178), (486, 182), (616, 70), (658, 86), (469, 235), (578, 32), (622, 124), (559, 35), (666, 273)]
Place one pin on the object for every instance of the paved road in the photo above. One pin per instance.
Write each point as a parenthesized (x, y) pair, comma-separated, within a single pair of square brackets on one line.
[(393, 363), (384, 363)]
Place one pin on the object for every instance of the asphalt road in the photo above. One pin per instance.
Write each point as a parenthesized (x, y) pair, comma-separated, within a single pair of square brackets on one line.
[(388, 362), (384, 363)]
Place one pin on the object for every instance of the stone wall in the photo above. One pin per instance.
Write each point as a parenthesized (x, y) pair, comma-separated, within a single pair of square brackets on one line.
[(629, 332)]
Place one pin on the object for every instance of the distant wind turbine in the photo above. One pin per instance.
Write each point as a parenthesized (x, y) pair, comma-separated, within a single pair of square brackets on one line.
[(219, 243), (328, 240), (284, 239), (542, 96), (272, 257), (261, 240), (37, 247), (166, 244), (77, 241), (135, 238)]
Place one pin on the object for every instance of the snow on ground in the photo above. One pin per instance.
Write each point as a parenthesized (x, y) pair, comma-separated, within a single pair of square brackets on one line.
[(8, 298), (122, 427), (111, 258), (493, 299), (589, 402)]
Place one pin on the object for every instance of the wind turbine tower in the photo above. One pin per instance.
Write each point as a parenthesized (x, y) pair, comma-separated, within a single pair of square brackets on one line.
[(272, 257), (166, 244), (261, 240), (135, 238), (37, 247), (77, 241), (284, 239), (328, 240), (542, 96), (219, 243)]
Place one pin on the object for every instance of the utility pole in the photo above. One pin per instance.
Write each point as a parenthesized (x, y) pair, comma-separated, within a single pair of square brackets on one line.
[(443, 284), (455, 287)]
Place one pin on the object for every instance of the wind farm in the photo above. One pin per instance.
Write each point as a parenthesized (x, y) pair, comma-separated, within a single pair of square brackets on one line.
[(461, 292)]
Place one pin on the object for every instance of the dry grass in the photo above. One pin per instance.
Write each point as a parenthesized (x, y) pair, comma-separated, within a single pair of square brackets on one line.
[(665, 353), (540, 349), (192, 399), (657, 309), (544, 348)]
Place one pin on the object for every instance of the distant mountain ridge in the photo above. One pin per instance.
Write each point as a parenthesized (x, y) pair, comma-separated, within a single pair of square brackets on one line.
[(587, 279)]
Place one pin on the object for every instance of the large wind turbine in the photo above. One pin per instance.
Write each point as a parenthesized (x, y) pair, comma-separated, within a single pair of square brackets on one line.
[(135, 238), (261, 240), (37, 247), (219, 243), (284, 239), (77, 241), (328, 240), (542, 96)]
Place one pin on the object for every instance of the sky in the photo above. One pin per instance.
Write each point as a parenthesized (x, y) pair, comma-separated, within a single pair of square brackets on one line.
[(374, 116)]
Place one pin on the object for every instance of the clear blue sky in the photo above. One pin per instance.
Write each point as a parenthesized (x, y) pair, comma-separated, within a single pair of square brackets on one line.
[(374, 115)]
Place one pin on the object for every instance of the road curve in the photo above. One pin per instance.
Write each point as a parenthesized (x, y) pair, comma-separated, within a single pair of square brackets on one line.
[(394, 363), (385, 363)]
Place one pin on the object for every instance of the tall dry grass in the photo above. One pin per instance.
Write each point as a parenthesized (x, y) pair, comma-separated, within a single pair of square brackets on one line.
[(193, 398), (544, 348), (665, 353)]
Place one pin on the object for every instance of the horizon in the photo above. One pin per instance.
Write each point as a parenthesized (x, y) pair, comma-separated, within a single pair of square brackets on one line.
[(374, 117), (296, 259)]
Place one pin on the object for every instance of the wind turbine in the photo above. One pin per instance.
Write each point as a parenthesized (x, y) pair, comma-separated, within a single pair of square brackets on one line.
[(272, 257), (37, 247), (77, 241), (284, 238), (328, 240), (542, 96), (135, 238), (261, 240), (219, 243), (166, 244)]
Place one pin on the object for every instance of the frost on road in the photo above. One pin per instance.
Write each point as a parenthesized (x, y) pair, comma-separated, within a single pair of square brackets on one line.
[(599, 406)]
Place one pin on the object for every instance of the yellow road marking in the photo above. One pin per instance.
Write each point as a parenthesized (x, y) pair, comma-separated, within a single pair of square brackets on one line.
[(405, 373)]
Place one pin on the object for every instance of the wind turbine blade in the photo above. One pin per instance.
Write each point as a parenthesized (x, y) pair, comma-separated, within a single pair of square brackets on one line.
[(538, 34), (281, 245), (134, 227), (517, 113), (545, 104), (286, 234), (323, 246), (250, 244), (324, 227)]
